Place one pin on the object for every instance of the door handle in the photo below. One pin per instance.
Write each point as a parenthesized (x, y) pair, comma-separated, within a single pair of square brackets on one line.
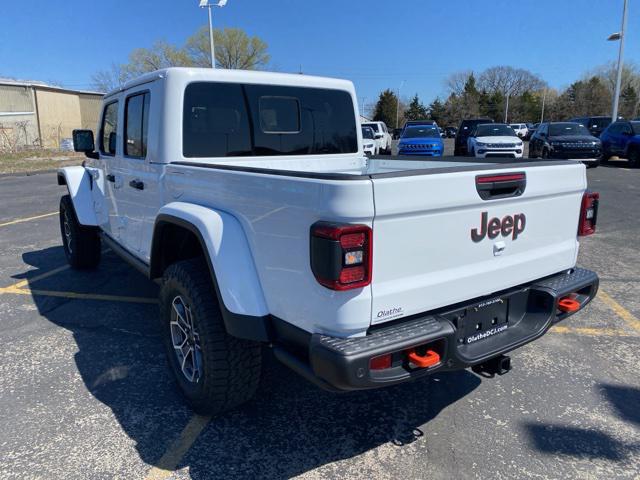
[(111, 178), (137, 184)]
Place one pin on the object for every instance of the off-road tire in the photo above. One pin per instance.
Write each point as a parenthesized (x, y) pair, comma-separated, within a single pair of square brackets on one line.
[(230, 366), (81, 243)]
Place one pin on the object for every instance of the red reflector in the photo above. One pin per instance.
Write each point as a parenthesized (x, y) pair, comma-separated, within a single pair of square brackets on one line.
[(352, 274), (381, 362), (352, 240), (507, 177)]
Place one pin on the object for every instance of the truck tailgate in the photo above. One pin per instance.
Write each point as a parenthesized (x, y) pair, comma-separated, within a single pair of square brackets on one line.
[(424, 254)]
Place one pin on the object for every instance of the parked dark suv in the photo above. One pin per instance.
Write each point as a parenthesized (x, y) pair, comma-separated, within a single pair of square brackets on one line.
[(566, 140), (466, 127), (595, 125)]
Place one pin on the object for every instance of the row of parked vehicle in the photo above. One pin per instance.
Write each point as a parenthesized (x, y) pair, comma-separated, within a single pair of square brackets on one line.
[(576, 139)]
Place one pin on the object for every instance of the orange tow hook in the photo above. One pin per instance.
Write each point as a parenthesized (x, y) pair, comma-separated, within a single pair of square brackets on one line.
[(568, 304), (429, 359)]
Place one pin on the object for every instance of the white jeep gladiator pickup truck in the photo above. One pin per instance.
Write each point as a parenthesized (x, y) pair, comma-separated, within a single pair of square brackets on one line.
[(247, 196)]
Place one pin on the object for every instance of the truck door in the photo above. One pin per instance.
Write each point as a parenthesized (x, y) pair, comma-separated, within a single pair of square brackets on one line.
[(102, 171), (139, 175)]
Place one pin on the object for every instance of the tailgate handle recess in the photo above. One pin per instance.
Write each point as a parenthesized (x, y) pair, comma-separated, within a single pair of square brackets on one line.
[(503, 185)]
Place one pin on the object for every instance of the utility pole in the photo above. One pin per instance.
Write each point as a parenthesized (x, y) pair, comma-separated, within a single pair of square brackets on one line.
[(506, 110), (398, 104), (619, 36), (209, 6), (544, 97), (213, 51), (362, 110)]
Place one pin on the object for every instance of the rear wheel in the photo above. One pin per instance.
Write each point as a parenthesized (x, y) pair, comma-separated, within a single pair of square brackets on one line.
[(81, 243), (215, 371)]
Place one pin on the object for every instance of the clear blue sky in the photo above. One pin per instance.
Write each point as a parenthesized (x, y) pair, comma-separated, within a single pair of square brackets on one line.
[(374, 43)]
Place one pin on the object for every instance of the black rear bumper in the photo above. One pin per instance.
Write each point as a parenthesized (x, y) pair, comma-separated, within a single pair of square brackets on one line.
[(514, 318)]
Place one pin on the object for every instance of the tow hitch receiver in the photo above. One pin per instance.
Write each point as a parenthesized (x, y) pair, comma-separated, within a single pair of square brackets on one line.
[(498, 365)]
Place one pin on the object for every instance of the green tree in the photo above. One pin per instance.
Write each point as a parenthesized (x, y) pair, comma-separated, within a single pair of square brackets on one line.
[(234, 49), (438, 112), (416, 110), (629, 102), (386, 108)]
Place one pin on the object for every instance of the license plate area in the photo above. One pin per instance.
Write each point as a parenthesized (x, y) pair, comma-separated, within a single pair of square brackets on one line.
[(483, 321)]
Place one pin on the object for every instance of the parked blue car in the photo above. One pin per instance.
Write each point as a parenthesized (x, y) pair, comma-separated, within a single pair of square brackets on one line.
[(421, 140), (622, 138)]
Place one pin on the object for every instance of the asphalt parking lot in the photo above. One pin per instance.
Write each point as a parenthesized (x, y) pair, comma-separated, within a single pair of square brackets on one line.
[(85, 393)]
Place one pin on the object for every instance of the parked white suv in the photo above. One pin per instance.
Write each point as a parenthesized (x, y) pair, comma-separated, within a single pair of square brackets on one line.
[(382, 136), (521, 129), (369, 144), (248, 197), (494, 140)]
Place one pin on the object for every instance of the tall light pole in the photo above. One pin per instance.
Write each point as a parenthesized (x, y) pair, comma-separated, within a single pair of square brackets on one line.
[(613, 37), (207, 5), (362, 111), (398, 103), (544, 98), (506, 109)]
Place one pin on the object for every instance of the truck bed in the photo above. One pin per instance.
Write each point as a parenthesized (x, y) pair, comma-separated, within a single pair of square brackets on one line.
[(422, 213), (341, 168)]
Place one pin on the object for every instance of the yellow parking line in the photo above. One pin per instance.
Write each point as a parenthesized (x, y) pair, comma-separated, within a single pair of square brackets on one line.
[(76, 295), (181, 445), (27, 281), (622, 312), (27, 219), (589, 331)]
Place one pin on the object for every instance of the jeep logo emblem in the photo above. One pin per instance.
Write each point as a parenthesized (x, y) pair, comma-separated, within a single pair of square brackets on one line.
[(509, 225)]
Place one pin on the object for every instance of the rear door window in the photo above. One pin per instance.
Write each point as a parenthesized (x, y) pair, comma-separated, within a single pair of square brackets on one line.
[(136, 125)]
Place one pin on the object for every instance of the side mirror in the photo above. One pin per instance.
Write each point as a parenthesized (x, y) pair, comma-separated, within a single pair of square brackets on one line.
[(83, 141), (378, 135)]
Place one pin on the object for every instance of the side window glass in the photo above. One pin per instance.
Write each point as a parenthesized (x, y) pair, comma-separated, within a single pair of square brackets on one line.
[(136, 125), (625, 128), (109, 129)]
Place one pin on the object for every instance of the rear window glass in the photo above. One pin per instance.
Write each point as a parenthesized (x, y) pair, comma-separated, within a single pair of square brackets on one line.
[(225, 120), (279, 115)]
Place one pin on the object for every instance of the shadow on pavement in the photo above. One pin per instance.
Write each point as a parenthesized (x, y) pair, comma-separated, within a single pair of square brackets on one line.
[(577, 442), (625, 401), (290, 427)]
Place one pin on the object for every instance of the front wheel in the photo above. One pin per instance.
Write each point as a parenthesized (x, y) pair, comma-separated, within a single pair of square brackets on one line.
[(81, 243), (215, 371)]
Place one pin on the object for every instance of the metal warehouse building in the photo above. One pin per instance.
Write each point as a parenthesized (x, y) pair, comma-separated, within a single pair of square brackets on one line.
[(34, 114)]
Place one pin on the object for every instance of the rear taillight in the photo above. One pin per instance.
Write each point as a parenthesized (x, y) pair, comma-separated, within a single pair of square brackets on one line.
[(588, 214), (341, 255)]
